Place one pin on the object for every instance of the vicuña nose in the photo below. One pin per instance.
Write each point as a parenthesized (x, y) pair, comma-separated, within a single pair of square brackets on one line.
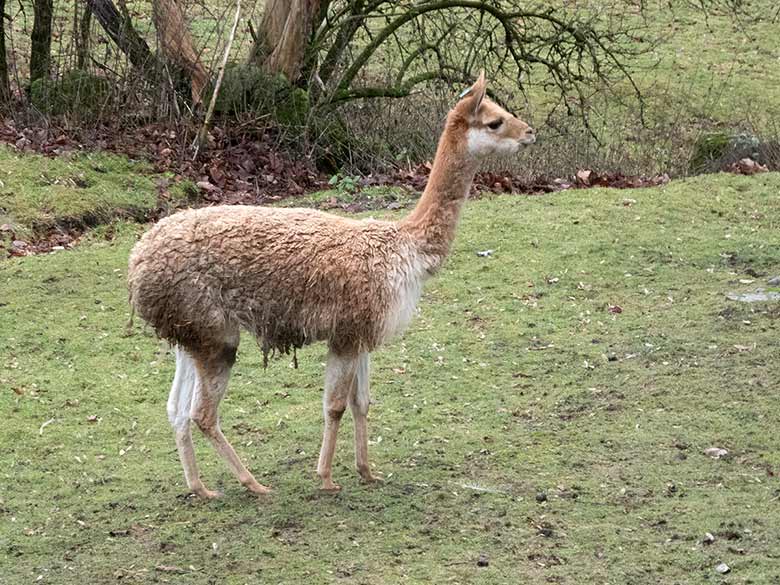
[(531, 130)]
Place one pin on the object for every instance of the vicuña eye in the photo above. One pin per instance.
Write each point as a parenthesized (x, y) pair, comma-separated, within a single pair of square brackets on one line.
[(494, 125)]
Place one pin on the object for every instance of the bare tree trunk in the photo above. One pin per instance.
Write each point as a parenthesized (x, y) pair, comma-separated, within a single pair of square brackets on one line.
[(5, 86), (284, 34), (82, 23), (177, 46), (40, 50), (121, 31)]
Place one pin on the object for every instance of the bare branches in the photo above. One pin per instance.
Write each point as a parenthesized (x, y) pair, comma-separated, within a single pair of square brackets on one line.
[(203, 133), (387, 49)]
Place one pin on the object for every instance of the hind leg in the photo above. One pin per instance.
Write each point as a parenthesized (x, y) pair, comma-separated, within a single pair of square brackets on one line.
[(213, 372), (184, 387)]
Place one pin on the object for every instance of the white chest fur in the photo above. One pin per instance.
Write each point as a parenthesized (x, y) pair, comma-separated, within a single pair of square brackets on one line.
[(405, 285)]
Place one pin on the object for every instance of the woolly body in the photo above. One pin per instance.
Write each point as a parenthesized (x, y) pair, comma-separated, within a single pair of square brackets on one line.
[(289, 276)]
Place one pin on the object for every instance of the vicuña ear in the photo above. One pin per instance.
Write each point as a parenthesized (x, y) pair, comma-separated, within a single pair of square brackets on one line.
[(478, 93)]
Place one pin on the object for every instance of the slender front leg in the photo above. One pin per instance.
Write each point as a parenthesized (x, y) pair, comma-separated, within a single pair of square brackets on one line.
[(359, 401), (339, 378)]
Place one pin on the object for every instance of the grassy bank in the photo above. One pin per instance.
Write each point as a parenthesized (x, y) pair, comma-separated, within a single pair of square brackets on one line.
[(38, 193), (548, 410)]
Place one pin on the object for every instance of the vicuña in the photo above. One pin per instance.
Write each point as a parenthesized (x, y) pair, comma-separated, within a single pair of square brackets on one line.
[(295, 276)]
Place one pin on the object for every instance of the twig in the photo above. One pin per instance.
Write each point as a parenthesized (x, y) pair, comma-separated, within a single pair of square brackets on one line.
[(204, 130), (44, 425)]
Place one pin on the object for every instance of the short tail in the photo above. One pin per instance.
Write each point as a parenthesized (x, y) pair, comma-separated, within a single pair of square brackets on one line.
[(129, 326)]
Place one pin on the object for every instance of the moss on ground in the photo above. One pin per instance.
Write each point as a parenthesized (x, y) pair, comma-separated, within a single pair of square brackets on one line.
[(39, 193), (519, 378)]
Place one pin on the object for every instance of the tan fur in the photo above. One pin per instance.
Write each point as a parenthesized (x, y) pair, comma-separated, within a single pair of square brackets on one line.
[(296, 276)]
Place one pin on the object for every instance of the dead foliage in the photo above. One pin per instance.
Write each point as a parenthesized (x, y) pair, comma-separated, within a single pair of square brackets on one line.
[(254, 167)]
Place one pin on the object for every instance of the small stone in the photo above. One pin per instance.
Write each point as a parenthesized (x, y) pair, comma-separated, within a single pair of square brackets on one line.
[(723, 568), (716, 452), (485, 253), (546, 531), (774, 281), (483, 561), (708, 539), (541, 497), (755, 297), (206, 186)]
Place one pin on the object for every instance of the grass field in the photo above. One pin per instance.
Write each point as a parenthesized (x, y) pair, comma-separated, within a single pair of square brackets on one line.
[(547, 411)]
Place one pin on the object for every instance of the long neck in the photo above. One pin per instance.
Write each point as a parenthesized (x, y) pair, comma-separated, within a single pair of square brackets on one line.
[(433, 221)]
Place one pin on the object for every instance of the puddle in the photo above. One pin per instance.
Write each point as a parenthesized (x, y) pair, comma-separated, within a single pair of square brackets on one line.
[(759, 296)]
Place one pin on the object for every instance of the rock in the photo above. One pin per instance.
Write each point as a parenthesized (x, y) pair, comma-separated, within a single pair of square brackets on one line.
[(546, 531), (483, 561), (775, 281), (716, 452), (759, 296), (485, 253), (541, 497), (723, 568), (206, 186), (708, 539)]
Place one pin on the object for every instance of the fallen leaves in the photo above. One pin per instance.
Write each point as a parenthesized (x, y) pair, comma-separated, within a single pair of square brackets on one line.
[(172, 569), (744, 348), (747, 166)]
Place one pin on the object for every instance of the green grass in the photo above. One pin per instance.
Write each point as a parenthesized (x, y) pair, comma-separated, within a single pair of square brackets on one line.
[(515, 379), (704, 70), (38, 193)]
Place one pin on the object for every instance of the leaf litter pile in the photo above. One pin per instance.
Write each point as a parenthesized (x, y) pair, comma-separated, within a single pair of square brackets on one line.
[(254, 168)]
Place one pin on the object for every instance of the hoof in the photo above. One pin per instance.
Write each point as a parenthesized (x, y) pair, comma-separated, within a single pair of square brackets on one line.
[(329, 487), (367, 477), (258, 488), (371, 479), (206, 494)]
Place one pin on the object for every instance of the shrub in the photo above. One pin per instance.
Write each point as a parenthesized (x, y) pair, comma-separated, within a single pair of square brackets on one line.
[(76, 93)]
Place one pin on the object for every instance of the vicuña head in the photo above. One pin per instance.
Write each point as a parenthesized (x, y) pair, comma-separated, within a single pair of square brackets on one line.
[(489, 128)]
